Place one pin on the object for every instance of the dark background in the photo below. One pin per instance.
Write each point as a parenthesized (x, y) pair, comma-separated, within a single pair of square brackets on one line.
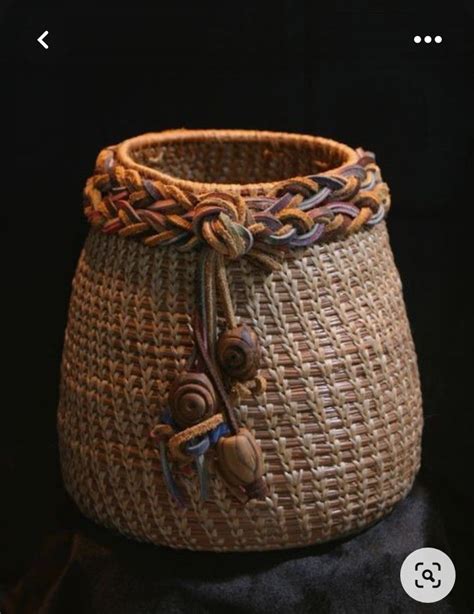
[(346, 71)]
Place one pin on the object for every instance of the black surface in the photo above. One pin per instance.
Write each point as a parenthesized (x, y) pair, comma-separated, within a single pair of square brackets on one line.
[(347, 72), (92, 571)]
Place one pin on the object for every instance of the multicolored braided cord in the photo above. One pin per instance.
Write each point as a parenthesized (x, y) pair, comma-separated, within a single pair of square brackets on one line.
[(297, 213)]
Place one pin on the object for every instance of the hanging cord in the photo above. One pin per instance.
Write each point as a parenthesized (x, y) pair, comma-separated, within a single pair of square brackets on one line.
[(216, 380), (199, 392), (211, 274), (224, 292), (206, 292)]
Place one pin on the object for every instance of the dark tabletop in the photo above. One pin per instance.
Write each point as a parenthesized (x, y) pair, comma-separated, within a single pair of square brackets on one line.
[(92, 571)]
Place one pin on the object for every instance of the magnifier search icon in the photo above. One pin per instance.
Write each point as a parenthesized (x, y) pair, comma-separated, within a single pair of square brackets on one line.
[(427, 574)]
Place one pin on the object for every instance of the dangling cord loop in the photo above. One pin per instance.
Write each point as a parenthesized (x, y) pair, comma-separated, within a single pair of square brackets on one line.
[(170, 482), (212, 275), (213, 281), (216, 380), (198, 448)]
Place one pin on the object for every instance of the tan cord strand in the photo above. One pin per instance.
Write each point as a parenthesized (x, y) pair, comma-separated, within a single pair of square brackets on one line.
[(209, 280), (224, 293)]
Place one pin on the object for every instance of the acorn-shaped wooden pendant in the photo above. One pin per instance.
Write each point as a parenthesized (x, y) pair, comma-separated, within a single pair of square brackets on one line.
[(238, 352), (192, 399), (241, 463)]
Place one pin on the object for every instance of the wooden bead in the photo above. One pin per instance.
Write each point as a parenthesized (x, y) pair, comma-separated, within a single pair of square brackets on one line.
[(238, 353), (192, 399), (241, 463)]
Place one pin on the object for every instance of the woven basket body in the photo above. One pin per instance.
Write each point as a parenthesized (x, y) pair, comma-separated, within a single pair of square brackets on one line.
[(339, 423)]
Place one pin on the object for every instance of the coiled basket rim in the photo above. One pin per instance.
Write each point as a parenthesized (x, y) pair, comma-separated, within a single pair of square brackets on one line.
[(335, 154)]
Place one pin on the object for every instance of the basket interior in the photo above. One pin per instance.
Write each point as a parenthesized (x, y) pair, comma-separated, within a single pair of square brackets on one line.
[(233, 159)]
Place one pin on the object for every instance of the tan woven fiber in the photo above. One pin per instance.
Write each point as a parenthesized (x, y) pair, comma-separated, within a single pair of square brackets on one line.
[(340, 420), (246, 162)]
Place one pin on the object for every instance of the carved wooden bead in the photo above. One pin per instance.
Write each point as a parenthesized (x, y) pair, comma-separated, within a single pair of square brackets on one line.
[(238, 352), (192, 398), (241, 463)]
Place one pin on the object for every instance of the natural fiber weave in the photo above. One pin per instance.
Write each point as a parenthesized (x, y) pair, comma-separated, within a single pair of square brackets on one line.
[(340, 420)]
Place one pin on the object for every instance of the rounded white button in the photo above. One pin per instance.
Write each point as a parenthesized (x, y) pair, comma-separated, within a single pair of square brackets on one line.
[(427, 575)]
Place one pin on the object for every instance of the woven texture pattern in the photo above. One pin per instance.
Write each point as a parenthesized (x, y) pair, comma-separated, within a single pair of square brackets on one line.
[(339, 423)]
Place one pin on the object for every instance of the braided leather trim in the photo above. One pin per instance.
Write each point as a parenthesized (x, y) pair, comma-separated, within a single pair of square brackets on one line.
[(296, 213)]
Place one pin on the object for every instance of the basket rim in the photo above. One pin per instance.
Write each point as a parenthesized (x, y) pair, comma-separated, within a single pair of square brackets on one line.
[(126, 150)]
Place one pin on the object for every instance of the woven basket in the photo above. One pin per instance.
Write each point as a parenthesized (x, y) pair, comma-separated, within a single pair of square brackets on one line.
[(336, 412)]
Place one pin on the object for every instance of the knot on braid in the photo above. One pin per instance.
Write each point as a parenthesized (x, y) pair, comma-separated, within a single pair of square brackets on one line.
[(220, 221)]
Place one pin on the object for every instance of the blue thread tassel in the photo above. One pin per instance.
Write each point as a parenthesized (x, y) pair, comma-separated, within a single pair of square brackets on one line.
[(198, 448), (168, 476), (203, 476)]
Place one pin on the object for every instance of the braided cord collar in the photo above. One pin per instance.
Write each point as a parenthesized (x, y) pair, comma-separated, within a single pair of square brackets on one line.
[(298, 212)]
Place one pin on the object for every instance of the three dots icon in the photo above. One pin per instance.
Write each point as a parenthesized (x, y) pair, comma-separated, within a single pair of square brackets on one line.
[(437, 39)]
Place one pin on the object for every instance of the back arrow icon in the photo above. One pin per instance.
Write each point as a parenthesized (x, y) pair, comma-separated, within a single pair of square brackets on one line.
[(41, 39)]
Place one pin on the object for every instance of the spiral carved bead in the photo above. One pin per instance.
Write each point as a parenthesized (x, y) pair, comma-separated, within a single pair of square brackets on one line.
[(192, 399), (238, 352)]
